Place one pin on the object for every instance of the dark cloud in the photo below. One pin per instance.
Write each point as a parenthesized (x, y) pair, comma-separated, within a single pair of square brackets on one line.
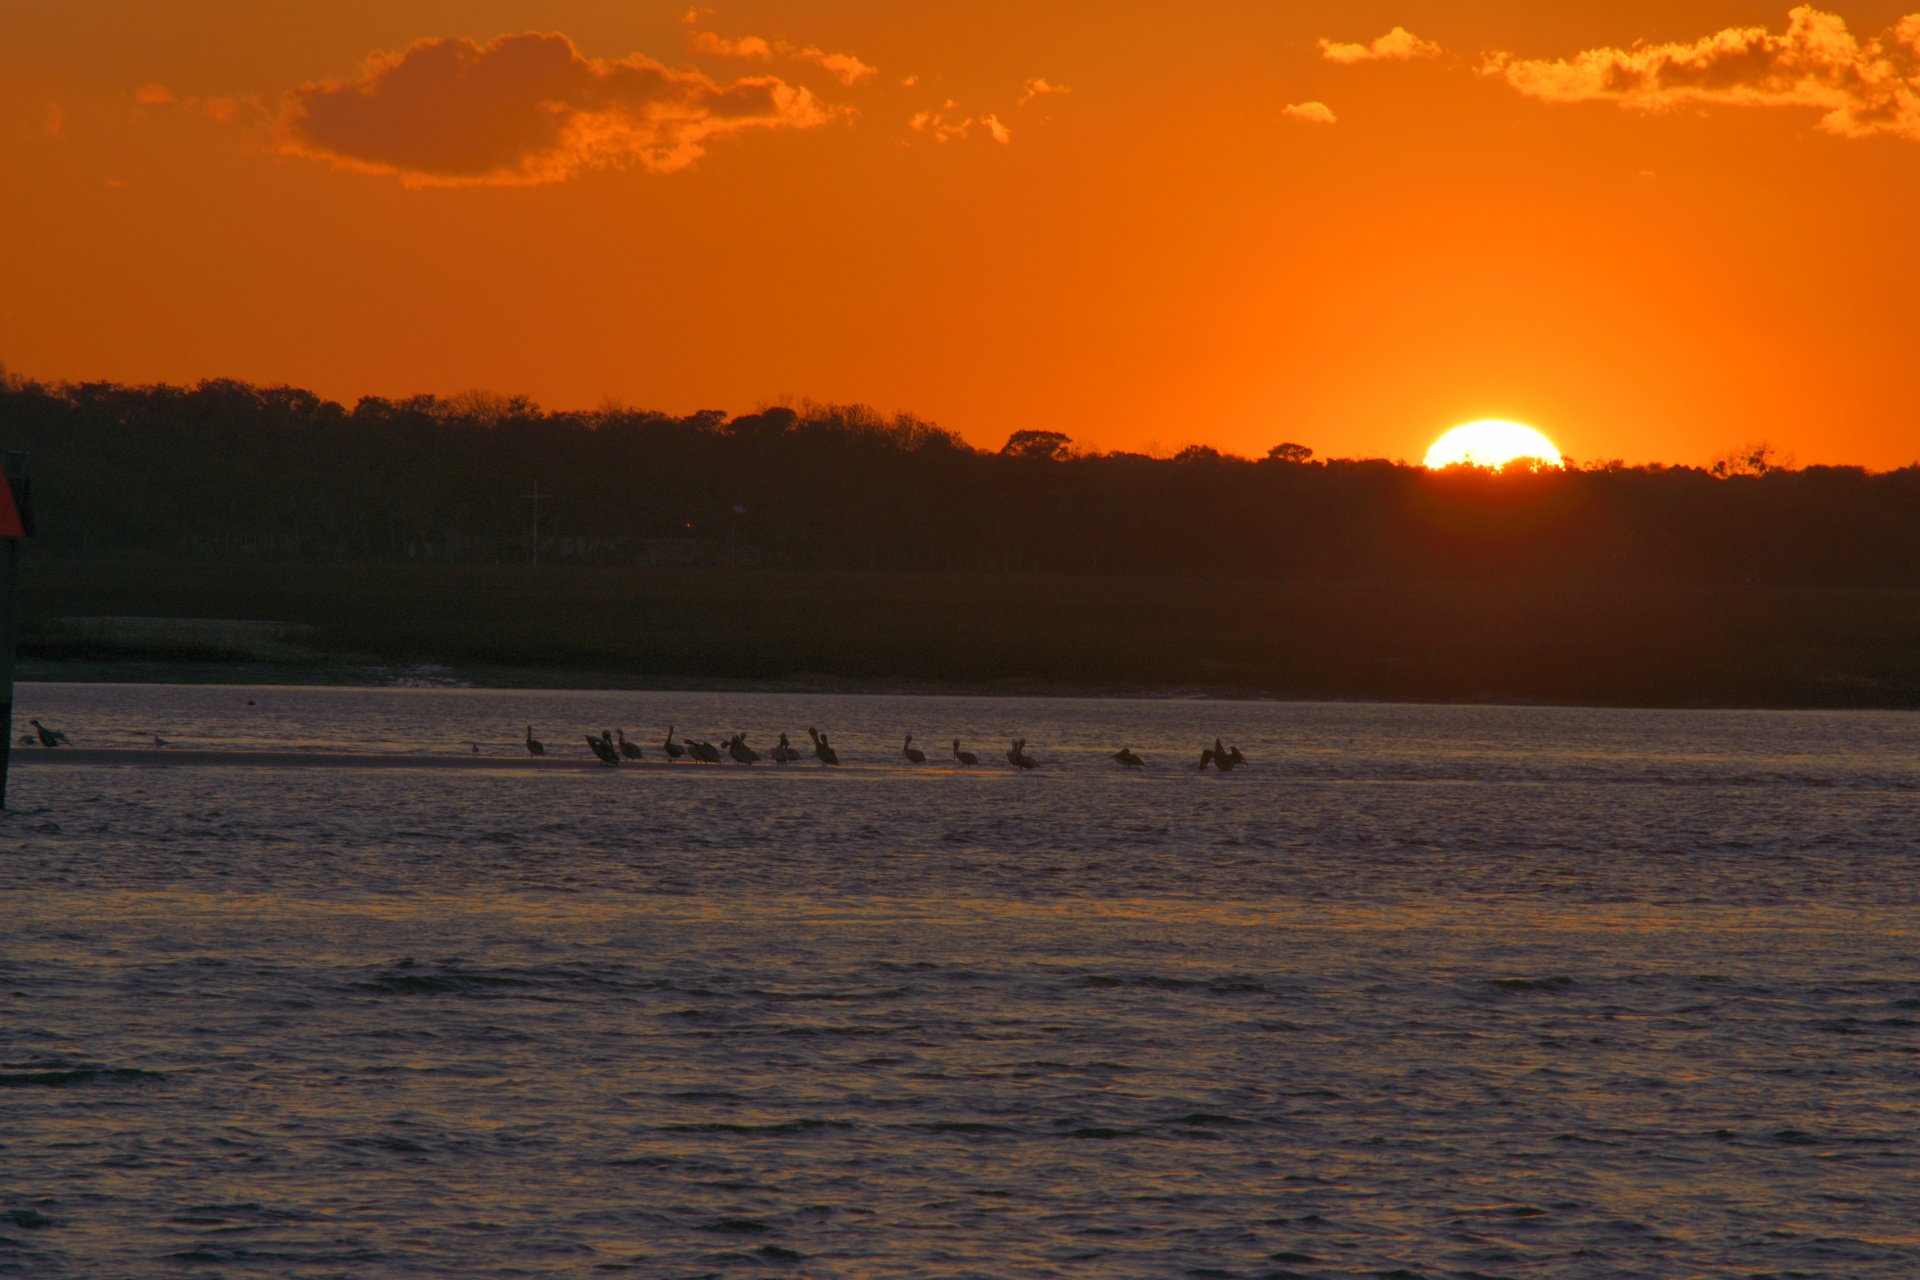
[(525, 109)]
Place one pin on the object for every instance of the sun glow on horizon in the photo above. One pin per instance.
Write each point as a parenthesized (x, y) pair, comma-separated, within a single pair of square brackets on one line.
[(1493, 443)]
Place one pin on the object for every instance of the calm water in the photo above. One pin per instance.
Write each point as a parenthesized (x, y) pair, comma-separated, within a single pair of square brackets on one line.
[(1422, 991)]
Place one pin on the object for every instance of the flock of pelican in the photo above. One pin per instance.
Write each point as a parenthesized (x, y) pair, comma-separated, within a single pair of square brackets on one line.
[(613, 746)]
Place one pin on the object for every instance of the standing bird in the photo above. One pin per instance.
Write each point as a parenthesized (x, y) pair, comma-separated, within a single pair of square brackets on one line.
[(1018, 756), (964, 757), (826, 753), (603, 747), (1126, 757), (630, 750), (49, 737), (913, 754), (673, 749), (702, 752), (737, 748), (535, 747), (784, 753)]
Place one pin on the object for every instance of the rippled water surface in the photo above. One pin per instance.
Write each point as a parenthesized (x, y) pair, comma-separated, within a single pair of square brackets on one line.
[(1421, 991)]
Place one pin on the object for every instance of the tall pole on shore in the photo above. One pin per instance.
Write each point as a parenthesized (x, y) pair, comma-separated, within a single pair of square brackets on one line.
[(536, 497), (16, 524)]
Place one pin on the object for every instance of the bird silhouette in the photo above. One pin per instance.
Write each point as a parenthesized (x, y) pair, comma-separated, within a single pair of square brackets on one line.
[(1223, 759), (673, 749), (1126, 757), (702, 752), (825, 752), (1018, 756), (785, 752), (630, 750), (737, 748), (913, 754), (604, 748), (964, 757), (49, 737), (534, 746), (1206, 758)]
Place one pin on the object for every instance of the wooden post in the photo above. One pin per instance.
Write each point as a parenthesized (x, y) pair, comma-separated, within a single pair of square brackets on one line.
[(16, 523)]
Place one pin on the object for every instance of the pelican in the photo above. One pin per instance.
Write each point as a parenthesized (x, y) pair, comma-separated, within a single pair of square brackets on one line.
[(534, 746), (603, 747), (820, 747), (964, 757), (784, 753), (1223, 759), (737, 748), (674, 750), (49, 737), (702, 752), (628, 749), (1126, 757), (1018, 756), (913, 754)]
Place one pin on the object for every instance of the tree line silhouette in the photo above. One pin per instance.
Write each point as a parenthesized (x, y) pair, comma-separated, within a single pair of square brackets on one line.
[(226, 470)]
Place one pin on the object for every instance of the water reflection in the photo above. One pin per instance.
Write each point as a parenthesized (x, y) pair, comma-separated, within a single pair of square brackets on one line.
[(1493, 991)]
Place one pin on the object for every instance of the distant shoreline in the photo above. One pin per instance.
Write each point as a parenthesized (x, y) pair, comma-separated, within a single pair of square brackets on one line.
[(1485, 641), (375, 675)]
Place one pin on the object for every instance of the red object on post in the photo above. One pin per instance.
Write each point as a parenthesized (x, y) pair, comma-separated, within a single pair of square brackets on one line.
[(10, 524)]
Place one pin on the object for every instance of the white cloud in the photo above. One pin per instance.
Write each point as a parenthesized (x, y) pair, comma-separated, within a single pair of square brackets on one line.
[(1398, 45), (1863, 88), (1038, 88)]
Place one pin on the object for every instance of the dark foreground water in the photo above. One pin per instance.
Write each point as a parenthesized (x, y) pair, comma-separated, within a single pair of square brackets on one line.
[(1421, 992)]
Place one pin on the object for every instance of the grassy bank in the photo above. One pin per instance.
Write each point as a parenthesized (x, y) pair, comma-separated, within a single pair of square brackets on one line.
[(1646, 644)]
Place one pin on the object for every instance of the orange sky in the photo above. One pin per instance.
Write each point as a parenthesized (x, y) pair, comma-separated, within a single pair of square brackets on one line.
[(1651, 253)]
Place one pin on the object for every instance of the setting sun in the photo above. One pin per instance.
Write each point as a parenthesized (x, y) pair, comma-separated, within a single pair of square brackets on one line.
[(1491, 443)]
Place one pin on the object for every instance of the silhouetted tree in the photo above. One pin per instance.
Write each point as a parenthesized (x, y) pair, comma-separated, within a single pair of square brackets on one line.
[(1750, 460), (224, 469), (1037, 444)]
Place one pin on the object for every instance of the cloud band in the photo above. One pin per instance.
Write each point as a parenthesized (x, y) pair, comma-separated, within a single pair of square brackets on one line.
[(1864, 88)]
